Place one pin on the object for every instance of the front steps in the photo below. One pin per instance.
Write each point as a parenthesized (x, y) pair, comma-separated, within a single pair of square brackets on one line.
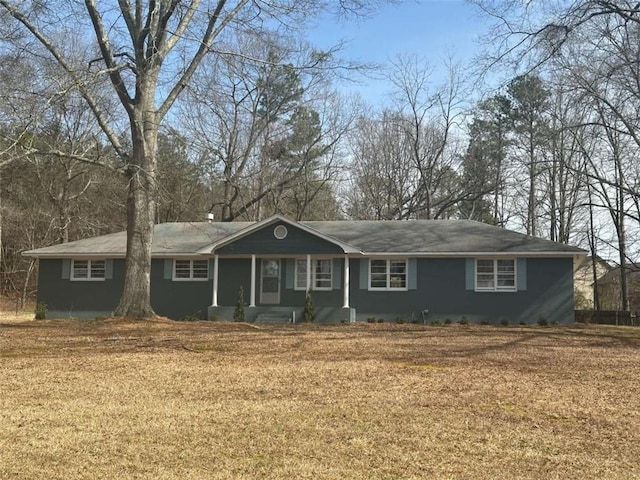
[(284, 315)]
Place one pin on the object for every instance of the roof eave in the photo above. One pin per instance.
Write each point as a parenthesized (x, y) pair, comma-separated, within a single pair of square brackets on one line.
[(476, 254)]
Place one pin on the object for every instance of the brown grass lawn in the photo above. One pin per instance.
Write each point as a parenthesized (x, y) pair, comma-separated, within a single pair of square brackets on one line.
[(163, 400)]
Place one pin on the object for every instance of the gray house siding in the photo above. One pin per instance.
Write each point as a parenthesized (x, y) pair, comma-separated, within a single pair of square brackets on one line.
[(178, 300), (263, 242), (441, 285), (232, 273), (77, 299), (442, 289)]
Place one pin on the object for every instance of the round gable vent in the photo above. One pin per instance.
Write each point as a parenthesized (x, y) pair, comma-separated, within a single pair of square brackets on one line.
[(280, 232)]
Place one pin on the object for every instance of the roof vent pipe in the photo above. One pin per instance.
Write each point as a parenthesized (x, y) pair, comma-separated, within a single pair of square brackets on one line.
[(210, 217)]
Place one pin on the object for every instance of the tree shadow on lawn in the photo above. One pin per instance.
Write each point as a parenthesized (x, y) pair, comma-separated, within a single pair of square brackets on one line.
[(505, 339)]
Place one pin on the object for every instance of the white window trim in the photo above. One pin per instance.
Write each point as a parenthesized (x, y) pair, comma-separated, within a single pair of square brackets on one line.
[(190, 278), (388, 288), (88, 278), (495, 287), (313, 285)]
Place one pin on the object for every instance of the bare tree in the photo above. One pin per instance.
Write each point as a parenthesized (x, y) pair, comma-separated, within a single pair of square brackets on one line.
[(407, 160), (272, 131)]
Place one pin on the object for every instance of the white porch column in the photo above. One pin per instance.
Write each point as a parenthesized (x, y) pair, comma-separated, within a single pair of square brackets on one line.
[(346, 283), (308, 272), (214, 302), (252, 302)]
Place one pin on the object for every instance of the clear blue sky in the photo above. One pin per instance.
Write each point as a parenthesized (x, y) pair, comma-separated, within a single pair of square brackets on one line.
[(432, 29)]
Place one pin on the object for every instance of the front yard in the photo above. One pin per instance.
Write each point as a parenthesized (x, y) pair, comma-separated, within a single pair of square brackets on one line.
[(164, 400)]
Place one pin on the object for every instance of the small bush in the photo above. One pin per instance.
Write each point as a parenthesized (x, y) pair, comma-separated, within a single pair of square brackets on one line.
[(371, 319), (484, 322), (308, 312), (190, 318), (399, 320), (504, 322), (380, 320), (464, 321), (238, 313), (522, 322), (542, 321), (41, 311), (435, 323), (447, 321)]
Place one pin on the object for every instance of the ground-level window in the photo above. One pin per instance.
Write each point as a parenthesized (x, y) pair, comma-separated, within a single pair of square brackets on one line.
[(387, 274), (496, 275), (321, 274), (190, 269), (87, 269)]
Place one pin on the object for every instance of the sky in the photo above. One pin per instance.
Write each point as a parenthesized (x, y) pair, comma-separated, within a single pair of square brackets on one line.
[(433, 29)]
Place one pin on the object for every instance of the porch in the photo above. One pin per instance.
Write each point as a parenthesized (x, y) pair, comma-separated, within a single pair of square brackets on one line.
[(276, 285)]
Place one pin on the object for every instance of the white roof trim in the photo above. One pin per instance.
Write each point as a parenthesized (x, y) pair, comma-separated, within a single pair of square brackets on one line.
[(209, 249)]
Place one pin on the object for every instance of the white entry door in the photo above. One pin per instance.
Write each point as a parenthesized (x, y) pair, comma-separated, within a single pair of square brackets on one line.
[(270, 281)]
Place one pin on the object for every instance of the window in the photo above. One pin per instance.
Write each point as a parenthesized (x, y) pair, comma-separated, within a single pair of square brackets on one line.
[(87, 270), (321, 274), (496, 275), (191, 269), (387, 274)]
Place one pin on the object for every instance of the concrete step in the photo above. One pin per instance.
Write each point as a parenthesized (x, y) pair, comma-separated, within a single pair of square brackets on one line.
[(272, 318)]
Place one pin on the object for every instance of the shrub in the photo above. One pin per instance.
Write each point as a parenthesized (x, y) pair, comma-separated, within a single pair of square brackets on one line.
[(308, 312), (464, 321), (371, 319), (447, 321), (522, 322), (435, 323), (504, 322), (238, 313), (41, 311), (380, 320), (399, 320), (484, 322), (542, 321)]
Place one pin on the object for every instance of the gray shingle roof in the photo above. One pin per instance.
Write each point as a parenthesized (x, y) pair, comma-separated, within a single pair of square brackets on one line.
[(436, 236), (414, 236)]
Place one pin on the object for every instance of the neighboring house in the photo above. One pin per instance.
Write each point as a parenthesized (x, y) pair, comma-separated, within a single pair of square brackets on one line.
[(420, 270), (609, 289), (583, 281)]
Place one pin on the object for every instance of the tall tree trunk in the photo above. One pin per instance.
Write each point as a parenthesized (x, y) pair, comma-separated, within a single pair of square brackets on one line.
[(594, 254), (136, 296)]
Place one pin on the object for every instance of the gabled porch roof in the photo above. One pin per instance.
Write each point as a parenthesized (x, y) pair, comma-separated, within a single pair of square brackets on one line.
[(273, 220)]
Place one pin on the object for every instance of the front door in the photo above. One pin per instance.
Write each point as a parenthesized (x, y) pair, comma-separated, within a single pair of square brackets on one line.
[(270, 281)]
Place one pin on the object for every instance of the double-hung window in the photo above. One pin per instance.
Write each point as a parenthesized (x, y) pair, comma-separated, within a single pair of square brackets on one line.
[(497, 275), (387, 274), (321, 274), (190, 269), (88, 269)]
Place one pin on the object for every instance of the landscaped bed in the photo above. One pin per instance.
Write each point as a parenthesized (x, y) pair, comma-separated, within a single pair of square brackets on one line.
[(161, 399)]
